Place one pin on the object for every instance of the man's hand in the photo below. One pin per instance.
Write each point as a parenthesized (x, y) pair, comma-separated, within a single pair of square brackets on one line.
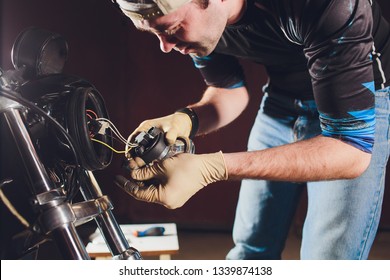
[(174, 125), (177, 179)]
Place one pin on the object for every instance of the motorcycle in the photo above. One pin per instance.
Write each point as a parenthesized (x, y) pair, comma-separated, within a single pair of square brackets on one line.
[(53, 138)]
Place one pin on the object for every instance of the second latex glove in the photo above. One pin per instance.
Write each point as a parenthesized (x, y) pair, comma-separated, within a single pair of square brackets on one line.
[(174, 125), (179, 178)]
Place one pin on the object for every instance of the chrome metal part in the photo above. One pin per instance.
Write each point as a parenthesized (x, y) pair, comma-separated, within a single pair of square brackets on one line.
[(109, 227), (37, 174), (129, 254), (87, 210), (69, 243), (56, 217), (50, 198), (6, 103)]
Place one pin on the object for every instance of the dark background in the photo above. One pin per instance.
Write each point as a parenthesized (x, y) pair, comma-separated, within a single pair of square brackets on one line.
[(139, 82)]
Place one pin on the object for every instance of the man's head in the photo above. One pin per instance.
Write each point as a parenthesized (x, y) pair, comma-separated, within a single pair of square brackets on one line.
[(149, 9), (188, 26)]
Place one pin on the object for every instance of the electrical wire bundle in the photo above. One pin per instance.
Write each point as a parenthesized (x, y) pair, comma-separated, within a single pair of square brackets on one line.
[(100, 125)]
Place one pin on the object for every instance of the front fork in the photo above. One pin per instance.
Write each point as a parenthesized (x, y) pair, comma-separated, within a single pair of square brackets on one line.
[(57, 216)]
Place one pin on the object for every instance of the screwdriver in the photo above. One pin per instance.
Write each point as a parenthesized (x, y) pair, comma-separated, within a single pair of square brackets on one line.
[(153, 231)]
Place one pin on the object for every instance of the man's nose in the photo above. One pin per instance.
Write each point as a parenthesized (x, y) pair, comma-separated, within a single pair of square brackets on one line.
[(167, 43)]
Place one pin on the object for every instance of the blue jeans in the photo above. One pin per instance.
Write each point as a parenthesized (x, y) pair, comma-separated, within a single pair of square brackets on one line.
[(342, 216)]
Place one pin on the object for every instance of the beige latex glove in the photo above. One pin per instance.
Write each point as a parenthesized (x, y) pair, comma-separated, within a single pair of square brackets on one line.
[(178, 178), (174, 125)]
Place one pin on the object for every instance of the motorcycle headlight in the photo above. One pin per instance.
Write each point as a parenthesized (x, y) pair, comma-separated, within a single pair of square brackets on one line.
[(73, 102), (41, 52)]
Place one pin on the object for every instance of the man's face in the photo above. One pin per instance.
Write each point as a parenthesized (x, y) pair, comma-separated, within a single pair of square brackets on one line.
[(190, 29)]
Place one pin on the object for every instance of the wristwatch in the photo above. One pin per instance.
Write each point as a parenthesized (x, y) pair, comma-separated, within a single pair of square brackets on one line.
[(194, 120)]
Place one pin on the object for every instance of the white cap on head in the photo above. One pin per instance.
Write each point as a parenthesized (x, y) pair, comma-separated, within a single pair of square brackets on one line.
[(148, 9)]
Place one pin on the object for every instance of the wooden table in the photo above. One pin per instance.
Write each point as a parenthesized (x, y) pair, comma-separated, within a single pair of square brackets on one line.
[(163, 246)]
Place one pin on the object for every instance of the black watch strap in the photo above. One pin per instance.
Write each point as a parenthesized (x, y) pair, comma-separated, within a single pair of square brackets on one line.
[(194, 120)]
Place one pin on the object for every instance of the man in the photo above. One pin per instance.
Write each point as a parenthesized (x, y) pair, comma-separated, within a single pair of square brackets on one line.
[(323, 121)]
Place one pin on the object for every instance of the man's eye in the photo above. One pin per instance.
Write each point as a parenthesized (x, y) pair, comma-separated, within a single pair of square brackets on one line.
[(171, 32)]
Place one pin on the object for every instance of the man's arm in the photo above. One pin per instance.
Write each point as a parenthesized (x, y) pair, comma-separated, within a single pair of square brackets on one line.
[(219, 106), (185, 174), (319, 158)]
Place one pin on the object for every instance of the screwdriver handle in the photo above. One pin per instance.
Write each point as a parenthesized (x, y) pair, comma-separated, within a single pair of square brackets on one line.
[(153, 231)]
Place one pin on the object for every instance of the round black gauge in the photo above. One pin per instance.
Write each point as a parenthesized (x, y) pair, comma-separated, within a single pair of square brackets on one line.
[(40, 52)]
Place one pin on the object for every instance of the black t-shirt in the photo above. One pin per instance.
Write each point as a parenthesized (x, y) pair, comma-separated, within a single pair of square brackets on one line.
[(333, 51)]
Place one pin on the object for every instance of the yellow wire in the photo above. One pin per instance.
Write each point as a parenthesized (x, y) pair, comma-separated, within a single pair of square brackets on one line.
[(108, 146)]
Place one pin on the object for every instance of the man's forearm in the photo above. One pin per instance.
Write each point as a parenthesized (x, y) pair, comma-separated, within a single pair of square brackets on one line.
[(319, 158), (218, 107)]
